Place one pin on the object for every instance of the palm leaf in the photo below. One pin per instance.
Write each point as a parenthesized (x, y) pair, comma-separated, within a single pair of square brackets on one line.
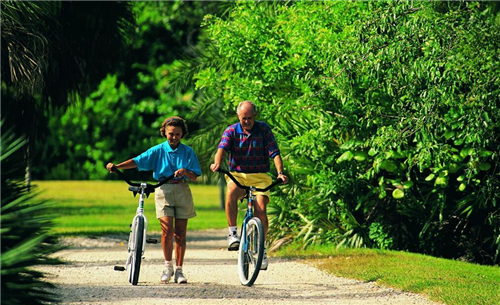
[(27, 245)]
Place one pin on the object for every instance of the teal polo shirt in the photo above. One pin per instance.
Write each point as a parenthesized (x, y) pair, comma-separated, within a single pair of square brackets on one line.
[(164, 161)]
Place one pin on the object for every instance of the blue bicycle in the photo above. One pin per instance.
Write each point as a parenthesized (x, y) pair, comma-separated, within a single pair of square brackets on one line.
[(251, 249)]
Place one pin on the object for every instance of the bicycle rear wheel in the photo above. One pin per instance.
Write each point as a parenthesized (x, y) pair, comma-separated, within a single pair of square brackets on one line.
[(251, 252), (138, 238)]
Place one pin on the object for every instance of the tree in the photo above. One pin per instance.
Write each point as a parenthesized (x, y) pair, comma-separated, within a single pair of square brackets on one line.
[(397, 101), (54, 51)]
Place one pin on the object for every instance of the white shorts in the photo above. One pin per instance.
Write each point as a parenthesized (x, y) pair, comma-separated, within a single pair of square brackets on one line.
[(174, 200)]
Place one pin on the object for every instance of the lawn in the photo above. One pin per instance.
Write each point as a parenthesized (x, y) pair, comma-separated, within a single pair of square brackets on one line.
[(446, 281), (104, 207)]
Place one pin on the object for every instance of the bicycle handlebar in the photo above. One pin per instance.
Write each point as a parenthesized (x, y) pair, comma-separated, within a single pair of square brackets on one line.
[(278, 181), (148, 186)]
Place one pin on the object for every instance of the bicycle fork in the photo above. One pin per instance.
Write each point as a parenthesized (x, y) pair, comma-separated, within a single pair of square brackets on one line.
[(139, 213), (247, 218), (133, 228)]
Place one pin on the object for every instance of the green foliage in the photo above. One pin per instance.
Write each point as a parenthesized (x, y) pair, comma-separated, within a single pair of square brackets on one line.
[(386, 112), (25, 241), (108, 126), (121, 118)]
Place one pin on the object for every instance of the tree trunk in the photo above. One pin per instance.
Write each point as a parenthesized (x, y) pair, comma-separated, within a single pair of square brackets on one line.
[(27, 173)]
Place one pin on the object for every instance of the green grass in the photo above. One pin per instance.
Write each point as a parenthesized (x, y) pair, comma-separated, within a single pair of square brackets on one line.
[(446, 281), (103, 207)]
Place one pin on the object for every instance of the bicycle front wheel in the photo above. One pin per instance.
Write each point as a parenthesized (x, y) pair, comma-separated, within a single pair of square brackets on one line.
[(251, 252), (138, 238)]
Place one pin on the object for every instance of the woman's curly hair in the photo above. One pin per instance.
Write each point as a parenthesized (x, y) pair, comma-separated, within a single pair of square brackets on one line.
[(174, 121)]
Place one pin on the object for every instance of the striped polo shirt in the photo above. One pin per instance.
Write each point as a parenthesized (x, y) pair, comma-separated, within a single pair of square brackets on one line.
[(249, 153)]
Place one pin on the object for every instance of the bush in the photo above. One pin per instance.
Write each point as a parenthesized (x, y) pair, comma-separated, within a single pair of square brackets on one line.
[(387, 115)]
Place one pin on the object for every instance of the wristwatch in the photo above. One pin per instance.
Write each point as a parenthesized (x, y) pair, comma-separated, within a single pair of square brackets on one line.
[(281, 173)]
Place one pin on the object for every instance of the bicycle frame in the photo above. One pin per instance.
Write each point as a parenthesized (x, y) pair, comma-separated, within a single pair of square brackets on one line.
[(248, 215)]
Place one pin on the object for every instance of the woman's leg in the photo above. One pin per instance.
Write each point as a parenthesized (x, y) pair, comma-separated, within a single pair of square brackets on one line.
[(167, 235), (180, 240)]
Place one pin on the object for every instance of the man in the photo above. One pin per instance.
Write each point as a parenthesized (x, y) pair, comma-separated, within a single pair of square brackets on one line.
[(250, 145)]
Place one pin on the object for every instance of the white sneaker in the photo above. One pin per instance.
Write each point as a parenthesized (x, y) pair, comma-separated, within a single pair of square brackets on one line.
[(179, 277), (265, 262), (166, 275), (233, 242)]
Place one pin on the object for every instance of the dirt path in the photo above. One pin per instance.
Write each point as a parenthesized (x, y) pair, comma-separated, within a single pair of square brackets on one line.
[(212, 278)]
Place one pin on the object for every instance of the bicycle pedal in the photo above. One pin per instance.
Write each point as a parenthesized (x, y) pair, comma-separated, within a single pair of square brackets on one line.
[(119, 268), (152, 241)]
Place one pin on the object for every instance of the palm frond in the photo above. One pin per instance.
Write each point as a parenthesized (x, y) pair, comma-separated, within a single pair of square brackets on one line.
[(27, 245)]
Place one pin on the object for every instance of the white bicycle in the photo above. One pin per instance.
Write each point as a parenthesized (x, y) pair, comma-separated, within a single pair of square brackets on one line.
[(137, 239)]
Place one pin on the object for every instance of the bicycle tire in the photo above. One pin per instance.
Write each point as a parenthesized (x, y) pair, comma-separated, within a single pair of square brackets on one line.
[(250, 260), (135, 266)]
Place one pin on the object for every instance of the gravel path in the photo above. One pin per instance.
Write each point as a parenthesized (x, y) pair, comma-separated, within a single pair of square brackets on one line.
[(212, 277)]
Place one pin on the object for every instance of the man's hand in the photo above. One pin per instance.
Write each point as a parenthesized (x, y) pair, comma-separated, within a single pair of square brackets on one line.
[(214, 167), (283, 177)]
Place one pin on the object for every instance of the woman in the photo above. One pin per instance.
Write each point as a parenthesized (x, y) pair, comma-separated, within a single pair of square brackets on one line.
[(174, 202)]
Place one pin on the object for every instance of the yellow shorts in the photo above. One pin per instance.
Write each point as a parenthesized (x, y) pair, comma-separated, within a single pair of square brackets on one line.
[(174, 200), (259, 180)]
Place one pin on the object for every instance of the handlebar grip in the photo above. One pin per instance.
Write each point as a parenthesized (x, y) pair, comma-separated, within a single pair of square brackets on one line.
[(116, 170)]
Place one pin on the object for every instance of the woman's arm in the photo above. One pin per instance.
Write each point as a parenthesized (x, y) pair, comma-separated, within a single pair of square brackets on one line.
[(124, 165)]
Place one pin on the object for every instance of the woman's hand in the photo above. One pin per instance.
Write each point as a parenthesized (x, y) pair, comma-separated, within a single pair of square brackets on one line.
[(109, 167), (180, 173)]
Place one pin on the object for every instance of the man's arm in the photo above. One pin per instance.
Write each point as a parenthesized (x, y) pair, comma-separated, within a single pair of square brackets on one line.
[(219, 156), (278, 163)]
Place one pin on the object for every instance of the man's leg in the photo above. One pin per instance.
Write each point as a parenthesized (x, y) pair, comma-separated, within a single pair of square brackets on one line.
[(260, 212), (234, 193)]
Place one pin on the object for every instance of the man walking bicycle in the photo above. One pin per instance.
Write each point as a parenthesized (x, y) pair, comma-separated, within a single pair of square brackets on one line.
[(250, 145)]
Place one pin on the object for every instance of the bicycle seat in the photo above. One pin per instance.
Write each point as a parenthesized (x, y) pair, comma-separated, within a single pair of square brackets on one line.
[(137, 189)]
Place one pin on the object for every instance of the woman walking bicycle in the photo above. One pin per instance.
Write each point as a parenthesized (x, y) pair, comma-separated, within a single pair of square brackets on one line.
[(173, 200)]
